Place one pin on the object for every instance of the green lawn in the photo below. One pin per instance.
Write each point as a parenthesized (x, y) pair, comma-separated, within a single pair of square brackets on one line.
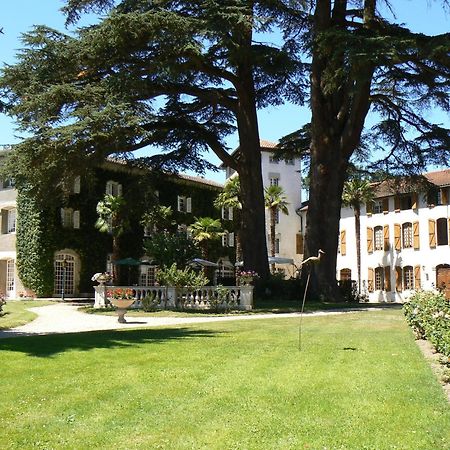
[(16, 312), (359, 382)]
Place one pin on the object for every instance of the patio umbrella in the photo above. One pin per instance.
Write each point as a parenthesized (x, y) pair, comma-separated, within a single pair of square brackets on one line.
[(128, 262), (202, 263)]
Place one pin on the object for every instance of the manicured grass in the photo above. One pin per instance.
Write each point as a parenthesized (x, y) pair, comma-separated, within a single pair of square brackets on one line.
[(359, 382), (16, 312)]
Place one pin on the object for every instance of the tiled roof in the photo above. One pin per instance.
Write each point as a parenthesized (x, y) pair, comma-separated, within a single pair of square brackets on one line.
[(440, 178), (200, 180), (267, 145)]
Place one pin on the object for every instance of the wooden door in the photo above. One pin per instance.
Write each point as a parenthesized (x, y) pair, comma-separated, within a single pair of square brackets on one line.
[(443, 279)]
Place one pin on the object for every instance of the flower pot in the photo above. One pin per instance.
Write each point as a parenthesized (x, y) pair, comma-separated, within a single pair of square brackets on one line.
[(121, 307)]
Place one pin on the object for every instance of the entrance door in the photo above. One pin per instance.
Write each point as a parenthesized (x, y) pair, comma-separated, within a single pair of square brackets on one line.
[(64, 274), (10, 285), (443, 279)]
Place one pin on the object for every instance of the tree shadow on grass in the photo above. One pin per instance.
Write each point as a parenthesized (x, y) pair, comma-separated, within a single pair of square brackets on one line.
[(51, 344)]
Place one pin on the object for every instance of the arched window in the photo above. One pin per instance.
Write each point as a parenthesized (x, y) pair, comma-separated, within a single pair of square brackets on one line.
[(442, 231), (408, 277), (64, 266), (378, 237), (407, 233)]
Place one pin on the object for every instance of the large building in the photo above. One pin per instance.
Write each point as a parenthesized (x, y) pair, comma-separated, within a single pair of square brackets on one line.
[(48, 250), (405, 240), (284, 173)]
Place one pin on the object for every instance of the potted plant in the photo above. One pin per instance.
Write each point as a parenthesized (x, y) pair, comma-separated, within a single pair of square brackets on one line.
[(122, 299), (246, 277)]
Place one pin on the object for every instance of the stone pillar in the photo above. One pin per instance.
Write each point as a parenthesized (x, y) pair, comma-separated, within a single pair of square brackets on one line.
[(100, 296), (246, 298)]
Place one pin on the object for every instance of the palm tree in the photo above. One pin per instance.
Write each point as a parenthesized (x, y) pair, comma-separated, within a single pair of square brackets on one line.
[(111, 219), (158, 218), (204, 230), (356, 192), (275, 201), (230, 198)]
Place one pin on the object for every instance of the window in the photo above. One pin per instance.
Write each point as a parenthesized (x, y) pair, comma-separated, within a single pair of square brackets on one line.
[(77, 185), (9, 220), (184, 204), (379, 278), (379, 239), (147, 275), (442, 231), (70, 218), (272, 159), (289, 161), (434, 197), (10, 280), (114, 188), (345, 274), (378, 206), (407, 235), (228, 239), (406, 202), (408, 277), (274, 181), (227, 213)]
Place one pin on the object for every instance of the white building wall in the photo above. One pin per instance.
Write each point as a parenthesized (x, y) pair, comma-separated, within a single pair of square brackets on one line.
[(289, 225), (425, 257)]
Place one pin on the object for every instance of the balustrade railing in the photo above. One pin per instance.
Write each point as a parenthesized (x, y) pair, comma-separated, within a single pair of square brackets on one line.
[(184, 298)]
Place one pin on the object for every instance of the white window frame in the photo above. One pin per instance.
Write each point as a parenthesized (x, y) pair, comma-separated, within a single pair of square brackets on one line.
[(113, 188), (378, 206), (378, 237), (407, 235), (12, 219), (184, 204)]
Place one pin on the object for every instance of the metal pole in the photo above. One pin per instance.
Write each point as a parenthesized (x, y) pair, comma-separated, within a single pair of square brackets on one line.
[(64, 265)]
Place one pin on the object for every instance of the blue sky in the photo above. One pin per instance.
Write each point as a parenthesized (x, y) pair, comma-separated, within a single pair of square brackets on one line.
[(19, 16)]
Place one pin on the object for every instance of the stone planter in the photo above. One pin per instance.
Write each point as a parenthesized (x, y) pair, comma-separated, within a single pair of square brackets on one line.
[(121, 307)]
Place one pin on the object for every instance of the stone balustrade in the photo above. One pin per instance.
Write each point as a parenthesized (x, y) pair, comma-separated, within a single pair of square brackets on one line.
[(184, 298)]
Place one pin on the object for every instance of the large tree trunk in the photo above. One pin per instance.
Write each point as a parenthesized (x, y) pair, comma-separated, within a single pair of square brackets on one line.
[(253, 228), (328, 172), (273, 212), (339, 109)]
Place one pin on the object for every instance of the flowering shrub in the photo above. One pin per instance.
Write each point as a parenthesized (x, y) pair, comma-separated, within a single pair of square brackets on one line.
[(428, 314), (246, 276), (120, 294)]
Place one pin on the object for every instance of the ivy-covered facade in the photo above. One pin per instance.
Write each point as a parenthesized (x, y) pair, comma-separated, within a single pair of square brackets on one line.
[(58, 249)]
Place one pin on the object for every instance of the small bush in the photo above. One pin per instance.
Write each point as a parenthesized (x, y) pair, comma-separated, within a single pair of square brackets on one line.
[(2, 303), (150, 302), (428, 314)]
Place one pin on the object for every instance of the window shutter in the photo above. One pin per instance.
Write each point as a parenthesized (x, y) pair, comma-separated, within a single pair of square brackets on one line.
[(109, 188), (387, 278), (414, 202), (444, 196), (370, 280), (397, 203), (369, 240), (179, 203), (76, 219), (63, 217), (230, 239), (416, 235), (299, 244), (77, 185), (230, 213), (397, 236), (224, 239), (385, 205), (119, 190), (417, 278), (369, 208), (189, 204), (4, 221), (223, 212), (432, 233), (448, 232), (343, 243), (398, 279), (386, 237)]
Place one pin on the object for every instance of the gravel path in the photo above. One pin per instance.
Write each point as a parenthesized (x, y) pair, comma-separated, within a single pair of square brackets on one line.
[(64, 318)]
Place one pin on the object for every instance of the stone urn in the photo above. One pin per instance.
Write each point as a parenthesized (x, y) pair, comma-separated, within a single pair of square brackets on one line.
[(122, 306)]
